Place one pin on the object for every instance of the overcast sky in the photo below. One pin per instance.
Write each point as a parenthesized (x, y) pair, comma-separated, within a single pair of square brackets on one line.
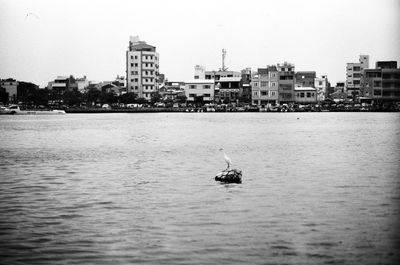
[(43, 39)]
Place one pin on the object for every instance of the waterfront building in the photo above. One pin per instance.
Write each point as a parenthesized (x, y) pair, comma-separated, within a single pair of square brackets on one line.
[(11, 87), (246, 85), (305, 95), (228, 89), (382, 84), (321, 85), (354, 73), (61, 83), (200, 90), (264, 86), (305, 78), (172, 90), (142, 68), (286, 82)]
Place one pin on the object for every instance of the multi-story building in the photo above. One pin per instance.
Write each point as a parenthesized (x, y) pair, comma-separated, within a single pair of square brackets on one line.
[(265, 86), (200, 90), (382, 84), (286, 82), (305, 78), (61, 83), (228, 88), (321, 85), (354, 73), (142, 68), (11, 87), (246, 85)]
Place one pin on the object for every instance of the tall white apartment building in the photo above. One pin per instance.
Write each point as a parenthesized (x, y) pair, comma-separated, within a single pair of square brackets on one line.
[(354, 75), (142, 68)]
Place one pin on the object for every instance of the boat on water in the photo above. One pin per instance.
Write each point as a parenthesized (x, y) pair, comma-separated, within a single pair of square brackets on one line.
[(15, 110)]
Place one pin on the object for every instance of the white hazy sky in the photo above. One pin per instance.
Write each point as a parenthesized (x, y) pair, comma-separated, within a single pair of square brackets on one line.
[(44, 38)]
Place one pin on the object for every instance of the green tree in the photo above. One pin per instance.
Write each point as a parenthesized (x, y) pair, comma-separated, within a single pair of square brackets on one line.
[(72, 97), (155, 97), (181, 99), (127, 98)]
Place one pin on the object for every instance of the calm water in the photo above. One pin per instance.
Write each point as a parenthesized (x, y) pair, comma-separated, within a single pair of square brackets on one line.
[(319, 188)]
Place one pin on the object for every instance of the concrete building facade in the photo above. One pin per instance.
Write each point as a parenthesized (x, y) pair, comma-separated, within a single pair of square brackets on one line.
[(354, 72), (321, 85), (200, 89), (11, 87), (305, 78), (264, 85), (382, 84), (228, 88), (142, 68), (286, 82), (305, 95)]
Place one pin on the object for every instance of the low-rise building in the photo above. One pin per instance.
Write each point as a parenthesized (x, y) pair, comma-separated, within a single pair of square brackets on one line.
[(200, 90), (305, 95)]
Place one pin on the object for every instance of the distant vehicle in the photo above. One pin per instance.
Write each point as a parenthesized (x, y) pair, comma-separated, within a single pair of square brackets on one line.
[(106, 106), (15, 110)]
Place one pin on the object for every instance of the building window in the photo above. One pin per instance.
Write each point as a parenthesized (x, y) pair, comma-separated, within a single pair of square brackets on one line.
[(136, 65), (136, 87), (264, 93), (192, 95), (357, 68), (308, 94), (302, 94), (192, 86), (131, 64), (320, 83), (263, 84), (207, 86), (131, 57), (273, 93), (255, 93), (207, 95), (135, 56), (255, 84), (273, 84), (313, 94)]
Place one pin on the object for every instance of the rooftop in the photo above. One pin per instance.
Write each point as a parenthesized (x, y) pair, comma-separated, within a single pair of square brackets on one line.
[(230, 79), (200, 81), (304, 88)]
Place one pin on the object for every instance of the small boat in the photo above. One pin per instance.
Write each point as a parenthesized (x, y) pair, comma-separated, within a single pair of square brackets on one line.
[(15, 110)]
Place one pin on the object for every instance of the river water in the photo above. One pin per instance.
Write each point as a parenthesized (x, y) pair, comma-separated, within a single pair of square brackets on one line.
[(318, 188)]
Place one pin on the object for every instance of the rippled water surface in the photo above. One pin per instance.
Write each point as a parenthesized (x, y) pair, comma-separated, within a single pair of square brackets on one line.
[(318, 188)]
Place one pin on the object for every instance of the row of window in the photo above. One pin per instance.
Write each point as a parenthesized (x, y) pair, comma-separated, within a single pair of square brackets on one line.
[(195, 95), (144, 57), (305, 94), (264, 84), (199, 86), (265, 93), (144, 87), (145, 80), (143, 65)]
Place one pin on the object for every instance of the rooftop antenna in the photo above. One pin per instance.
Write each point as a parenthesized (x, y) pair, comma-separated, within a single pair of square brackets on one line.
[(223, 60)]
